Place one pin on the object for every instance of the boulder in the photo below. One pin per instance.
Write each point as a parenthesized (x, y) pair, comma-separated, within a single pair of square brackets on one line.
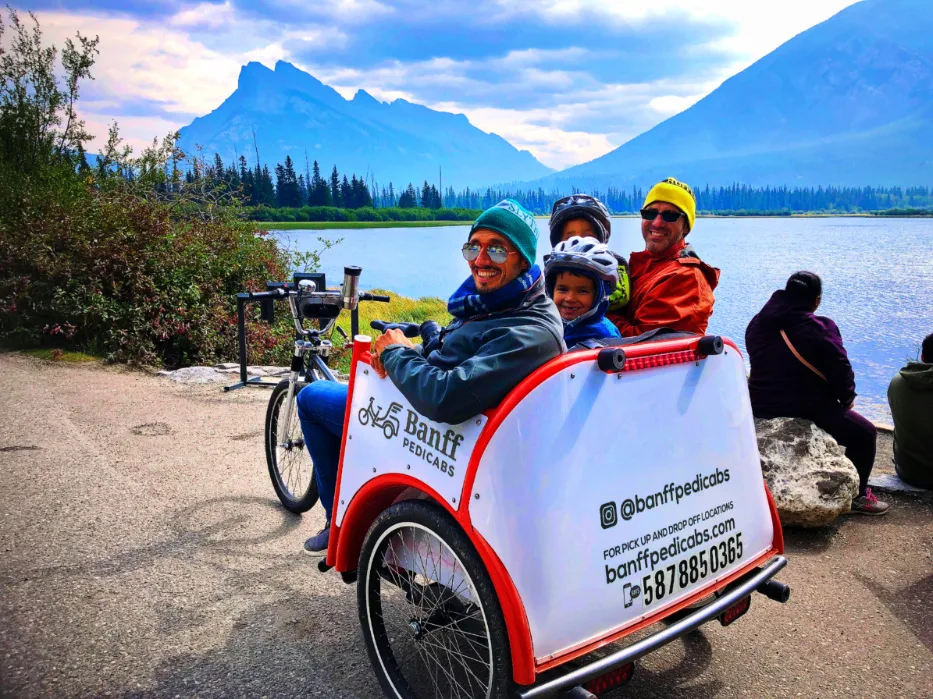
[(195, 374), (810, 478)]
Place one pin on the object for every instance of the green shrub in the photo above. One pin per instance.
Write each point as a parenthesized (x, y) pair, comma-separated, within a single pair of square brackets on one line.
[(128, 278)]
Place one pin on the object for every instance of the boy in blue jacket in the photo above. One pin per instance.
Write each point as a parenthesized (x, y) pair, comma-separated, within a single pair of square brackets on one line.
[(580, 275)]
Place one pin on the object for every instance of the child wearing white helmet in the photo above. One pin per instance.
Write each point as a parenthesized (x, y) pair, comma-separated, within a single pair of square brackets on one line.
[(586, 216), (580, 274)]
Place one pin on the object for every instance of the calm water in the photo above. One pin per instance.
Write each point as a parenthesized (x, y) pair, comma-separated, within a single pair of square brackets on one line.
[(877, 276)]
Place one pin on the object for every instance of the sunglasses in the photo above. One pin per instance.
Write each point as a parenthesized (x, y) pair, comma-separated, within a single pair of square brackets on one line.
[(666, 216), (497, 253)]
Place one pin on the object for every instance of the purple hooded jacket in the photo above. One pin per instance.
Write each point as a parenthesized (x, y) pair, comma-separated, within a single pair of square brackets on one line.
[(780, 385)]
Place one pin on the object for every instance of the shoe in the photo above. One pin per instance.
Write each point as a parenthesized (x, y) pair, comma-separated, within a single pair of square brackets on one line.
[(868, 504), (318, 543)]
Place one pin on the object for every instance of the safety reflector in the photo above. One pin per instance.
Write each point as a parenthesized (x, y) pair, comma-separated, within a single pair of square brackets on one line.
[(611, 680), (735, 611), (657, 360)]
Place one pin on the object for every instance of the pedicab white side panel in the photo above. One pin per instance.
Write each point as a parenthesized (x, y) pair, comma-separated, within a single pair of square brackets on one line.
[(572, 494), (387, 435)]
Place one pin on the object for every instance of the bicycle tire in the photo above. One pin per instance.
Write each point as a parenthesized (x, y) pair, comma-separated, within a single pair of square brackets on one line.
[(290, 467), (404, 605)]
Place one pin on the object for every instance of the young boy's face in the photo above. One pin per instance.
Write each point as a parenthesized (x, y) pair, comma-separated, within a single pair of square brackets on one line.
[(578, 227), (574, 294)]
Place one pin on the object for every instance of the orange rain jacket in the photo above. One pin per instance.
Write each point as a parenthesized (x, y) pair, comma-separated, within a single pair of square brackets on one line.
[(672, 290)]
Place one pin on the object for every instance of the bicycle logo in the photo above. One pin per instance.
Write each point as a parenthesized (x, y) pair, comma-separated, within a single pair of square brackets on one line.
[(387, 420)]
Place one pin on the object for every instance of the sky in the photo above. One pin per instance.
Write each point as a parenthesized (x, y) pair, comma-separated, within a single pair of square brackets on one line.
[(567, 80)]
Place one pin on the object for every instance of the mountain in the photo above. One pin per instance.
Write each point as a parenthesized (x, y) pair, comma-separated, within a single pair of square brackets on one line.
[(847, 102), (399, 142)]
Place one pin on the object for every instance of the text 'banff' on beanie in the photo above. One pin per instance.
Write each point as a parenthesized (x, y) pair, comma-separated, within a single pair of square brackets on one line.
[(677, 194), (515, 222)]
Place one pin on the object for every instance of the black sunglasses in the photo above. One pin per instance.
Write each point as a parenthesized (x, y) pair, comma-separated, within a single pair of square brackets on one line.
[(667, 216)]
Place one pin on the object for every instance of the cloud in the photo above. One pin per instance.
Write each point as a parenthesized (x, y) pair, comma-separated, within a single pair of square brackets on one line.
[(566, 79)]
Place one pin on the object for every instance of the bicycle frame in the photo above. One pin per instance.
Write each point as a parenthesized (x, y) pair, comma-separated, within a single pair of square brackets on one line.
[(309, 341)]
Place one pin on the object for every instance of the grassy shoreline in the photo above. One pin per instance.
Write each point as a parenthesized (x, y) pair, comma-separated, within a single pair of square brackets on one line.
[(328, 225)]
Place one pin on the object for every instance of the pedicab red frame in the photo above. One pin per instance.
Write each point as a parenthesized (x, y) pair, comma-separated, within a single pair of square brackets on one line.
[(379, 493)]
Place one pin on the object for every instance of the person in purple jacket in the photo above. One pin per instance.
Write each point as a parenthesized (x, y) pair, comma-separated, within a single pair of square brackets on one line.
[(800, 369)]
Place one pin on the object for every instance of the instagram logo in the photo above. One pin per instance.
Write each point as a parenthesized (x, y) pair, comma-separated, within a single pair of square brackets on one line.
[(608, 515)]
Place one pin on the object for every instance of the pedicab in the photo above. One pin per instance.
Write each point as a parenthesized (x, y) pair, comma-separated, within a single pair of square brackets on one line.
[(514, 554)]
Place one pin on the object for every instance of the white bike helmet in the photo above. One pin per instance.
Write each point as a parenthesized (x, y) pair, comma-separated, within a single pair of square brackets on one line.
[(586, 255)]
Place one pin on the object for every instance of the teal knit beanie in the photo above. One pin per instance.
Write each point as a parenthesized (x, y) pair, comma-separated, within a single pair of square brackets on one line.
[(515, 222)]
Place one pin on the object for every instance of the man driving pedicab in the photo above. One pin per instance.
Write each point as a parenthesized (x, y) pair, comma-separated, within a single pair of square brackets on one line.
[(504, 328)]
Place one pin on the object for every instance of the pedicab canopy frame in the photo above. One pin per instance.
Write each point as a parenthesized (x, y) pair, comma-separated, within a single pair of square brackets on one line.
[(602, 495)]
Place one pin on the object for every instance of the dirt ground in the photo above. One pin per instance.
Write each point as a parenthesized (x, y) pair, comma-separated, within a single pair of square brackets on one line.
[(143, 554)]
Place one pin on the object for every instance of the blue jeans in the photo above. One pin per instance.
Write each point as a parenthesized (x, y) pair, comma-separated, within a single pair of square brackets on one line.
[(321, 406)]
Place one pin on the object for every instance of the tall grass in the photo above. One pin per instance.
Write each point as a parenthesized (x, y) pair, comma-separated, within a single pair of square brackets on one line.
[(400, 309)]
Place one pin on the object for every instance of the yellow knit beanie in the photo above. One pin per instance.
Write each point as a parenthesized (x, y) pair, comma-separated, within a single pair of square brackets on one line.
[(676, 193)]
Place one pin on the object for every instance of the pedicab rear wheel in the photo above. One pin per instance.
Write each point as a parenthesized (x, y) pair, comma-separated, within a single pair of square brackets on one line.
[(430, 616)]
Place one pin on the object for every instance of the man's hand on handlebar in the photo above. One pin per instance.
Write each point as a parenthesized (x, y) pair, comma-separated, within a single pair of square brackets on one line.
[(392, 336)]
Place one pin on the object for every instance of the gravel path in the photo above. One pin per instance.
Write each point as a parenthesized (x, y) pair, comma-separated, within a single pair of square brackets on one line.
[(143, 554)]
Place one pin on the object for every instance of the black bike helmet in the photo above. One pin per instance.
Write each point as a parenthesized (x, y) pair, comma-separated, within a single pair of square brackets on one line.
[(580, 206)]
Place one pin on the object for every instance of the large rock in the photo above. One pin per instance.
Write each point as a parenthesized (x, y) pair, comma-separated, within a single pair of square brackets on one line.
[(810, 478), (195, 374)]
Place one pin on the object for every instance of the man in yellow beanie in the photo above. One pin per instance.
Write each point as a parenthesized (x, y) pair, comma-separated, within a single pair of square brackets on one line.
[(671, 286)]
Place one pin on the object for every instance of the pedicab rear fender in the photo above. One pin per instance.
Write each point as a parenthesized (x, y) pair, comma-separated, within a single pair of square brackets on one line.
[(374, 495)]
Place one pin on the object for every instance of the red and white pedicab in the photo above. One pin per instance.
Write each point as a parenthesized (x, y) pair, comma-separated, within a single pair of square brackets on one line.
[(613, 488)]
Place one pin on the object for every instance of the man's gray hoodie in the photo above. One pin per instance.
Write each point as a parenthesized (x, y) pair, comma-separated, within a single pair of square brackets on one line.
[(480, 360)]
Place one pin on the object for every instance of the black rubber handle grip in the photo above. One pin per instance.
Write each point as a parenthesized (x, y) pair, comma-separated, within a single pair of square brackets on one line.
[(374, 297), (710, 345), (610, 359), (409, 329), (274, 294)]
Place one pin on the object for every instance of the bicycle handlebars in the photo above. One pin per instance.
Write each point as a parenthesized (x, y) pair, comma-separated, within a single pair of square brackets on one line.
[(274, 294), (409, 329), (282, 293), (365, 296)]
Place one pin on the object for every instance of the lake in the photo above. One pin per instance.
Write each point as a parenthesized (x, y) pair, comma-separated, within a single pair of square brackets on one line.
[(877, 276)]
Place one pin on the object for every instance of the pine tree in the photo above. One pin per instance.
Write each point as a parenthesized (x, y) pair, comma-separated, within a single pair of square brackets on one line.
[(409, 198), (346, 197), (319, 192), (335, 188)]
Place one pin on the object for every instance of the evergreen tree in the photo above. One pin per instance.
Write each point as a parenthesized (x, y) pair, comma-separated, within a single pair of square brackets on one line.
[(335, 188), (408, 198), (346, 197), (319, 192)]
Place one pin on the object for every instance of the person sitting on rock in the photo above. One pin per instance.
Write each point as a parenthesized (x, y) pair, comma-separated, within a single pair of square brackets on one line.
[(504, 328), (579, 275), (584, 216), (800, 369), (671, 286), (910, 396)]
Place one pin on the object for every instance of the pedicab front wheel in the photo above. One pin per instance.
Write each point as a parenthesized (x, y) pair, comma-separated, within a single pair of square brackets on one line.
[(290, 466), (430, 616)]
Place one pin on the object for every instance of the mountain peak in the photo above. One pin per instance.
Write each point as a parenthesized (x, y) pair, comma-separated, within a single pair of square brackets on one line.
[(252, 73), (364, 98), (288, 111)]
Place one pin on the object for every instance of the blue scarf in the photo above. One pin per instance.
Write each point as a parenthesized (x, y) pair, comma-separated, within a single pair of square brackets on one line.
[(467, 303)]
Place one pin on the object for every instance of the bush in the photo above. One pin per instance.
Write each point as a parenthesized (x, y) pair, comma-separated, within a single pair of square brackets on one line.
[(127, 277)]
